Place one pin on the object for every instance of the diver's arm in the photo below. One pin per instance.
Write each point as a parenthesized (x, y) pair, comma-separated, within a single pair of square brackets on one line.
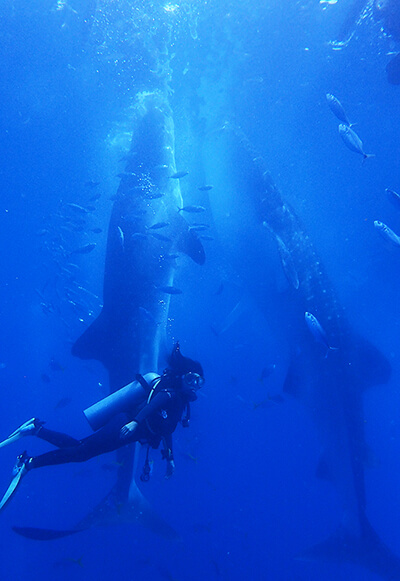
[(155, 403)]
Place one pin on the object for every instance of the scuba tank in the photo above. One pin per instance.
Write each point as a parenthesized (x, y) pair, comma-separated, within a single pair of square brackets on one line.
[(123, 400)]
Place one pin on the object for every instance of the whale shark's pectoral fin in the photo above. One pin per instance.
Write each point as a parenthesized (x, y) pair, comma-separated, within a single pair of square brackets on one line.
[(112, 510), (188, 242), (362, 548), (90, 345), (371, 365)]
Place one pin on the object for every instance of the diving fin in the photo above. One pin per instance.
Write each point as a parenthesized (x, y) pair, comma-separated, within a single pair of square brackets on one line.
[(27, 428), (20, 469)]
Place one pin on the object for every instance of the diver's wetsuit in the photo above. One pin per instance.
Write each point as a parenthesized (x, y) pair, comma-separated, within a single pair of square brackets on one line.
[(157, 420)]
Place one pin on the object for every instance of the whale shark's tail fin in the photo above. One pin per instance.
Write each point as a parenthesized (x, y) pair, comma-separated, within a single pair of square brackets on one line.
[(365, 549)]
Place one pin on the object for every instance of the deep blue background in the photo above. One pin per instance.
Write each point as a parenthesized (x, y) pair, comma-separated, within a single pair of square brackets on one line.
[(244, 497)]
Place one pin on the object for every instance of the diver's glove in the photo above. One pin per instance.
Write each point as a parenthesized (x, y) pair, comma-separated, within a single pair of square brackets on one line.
[(127, 432)]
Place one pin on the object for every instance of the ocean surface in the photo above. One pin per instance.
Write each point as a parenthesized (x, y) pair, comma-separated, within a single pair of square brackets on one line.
[(244, 499)]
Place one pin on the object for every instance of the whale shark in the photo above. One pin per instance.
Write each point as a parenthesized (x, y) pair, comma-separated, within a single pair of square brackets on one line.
[(140, 259), (146, 235), (255, 221)]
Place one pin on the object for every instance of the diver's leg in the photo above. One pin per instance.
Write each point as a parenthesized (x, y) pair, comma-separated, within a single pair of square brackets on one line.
[(104, 440), (56, 438)]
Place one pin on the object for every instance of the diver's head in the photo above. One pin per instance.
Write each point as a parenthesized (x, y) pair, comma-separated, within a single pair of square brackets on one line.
[(188, 371)]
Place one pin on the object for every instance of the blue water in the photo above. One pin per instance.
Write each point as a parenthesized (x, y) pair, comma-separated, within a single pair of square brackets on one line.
[(244, 497)]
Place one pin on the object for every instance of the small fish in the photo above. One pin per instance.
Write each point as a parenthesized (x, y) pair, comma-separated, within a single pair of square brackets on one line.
[(266, 371), (154, 195), (170, 290), (206, 237), (68, 562), (90, 208), (77, 208), (317, 331), (199, 227), (205, 188), (352, 141), (92, 184), (55, 365), (190, 456), (393, 197), (230, 319), (387, 233), (85, 249), (96, 230), (45, 378), (139, 236), (219, 289), (158, 225), (95, 198), (147, 315), (192, 209), (337, 109), (121, 237), (169, 256), (179, 174), (62, 403)]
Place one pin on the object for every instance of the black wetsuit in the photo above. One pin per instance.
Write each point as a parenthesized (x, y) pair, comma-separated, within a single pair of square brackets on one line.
[(157, 420)]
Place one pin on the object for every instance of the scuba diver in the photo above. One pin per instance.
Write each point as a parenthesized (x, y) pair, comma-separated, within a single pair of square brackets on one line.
[(147, 410)]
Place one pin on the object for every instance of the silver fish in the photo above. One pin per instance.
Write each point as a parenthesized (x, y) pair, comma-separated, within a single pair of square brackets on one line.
[(387, 233), (179, 174), (317, 331), (394, 197), (199, 227), (121, 237), (158, 225), (337, 109), (85, 249), (352, 141), (192, 209), (170, 290), (77, 208)]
